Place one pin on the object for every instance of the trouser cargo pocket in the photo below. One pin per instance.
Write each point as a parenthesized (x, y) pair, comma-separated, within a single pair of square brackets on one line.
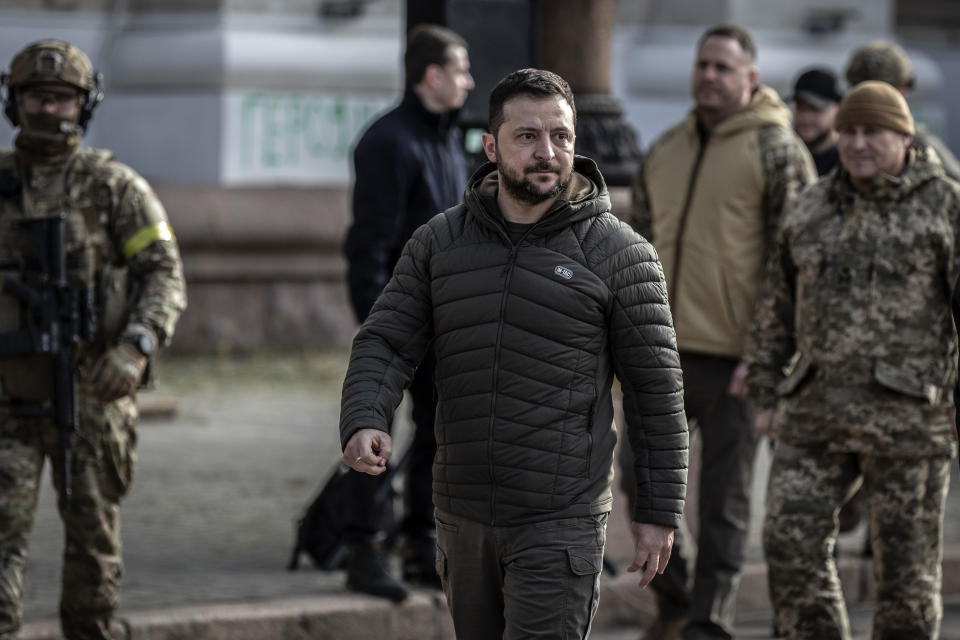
[(585, 561)]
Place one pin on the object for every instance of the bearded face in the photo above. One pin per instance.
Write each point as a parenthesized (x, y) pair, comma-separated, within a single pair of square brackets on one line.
[(534, 183)]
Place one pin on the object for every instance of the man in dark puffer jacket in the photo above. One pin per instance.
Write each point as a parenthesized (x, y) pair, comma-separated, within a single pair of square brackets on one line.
[(533, 296)]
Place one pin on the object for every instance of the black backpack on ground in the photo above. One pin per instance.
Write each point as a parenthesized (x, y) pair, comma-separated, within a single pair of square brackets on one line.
[(319, 533)]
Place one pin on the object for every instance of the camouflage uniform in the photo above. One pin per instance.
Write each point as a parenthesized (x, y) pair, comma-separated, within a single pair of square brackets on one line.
[(855, 347), (925, 138), (116, 226)]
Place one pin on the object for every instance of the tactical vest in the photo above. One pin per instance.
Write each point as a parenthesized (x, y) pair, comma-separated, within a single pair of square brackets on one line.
[(79, 190)]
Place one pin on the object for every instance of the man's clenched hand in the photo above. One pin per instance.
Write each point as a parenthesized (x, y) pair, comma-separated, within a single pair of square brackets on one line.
[(368, 451)]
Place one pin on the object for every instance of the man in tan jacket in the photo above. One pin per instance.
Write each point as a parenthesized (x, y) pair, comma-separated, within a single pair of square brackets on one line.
[(709, 195)]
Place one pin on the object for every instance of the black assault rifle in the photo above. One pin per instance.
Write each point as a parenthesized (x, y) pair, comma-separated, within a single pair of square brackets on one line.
[(56, 316)]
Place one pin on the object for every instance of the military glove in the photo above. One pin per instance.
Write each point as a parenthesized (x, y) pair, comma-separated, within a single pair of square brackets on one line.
[(118, 372)]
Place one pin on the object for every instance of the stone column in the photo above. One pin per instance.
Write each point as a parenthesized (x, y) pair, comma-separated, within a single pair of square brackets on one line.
[(575, 41), (570, 37)]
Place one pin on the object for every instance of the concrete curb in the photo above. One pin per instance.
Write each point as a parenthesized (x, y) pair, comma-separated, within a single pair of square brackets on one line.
[(424, 615)]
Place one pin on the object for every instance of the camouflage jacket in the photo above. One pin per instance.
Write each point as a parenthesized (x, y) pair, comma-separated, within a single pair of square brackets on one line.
[(115, 226), (854, 342), (924, 138)]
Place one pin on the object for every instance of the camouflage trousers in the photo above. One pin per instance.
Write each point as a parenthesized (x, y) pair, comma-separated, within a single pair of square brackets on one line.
[(101, 469), (905, 502)]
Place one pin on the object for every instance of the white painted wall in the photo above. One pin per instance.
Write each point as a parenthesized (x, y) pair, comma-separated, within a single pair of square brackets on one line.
[(274, 137)]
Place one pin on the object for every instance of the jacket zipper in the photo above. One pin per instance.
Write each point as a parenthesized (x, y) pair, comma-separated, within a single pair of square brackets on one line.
[(684, 215), (593, 407), (507, 274)]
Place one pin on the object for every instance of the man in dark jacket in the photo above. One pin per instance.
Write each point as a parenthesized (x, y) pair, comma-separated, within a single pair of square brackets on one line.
[(409, 165), (533, 296), (816, 98)]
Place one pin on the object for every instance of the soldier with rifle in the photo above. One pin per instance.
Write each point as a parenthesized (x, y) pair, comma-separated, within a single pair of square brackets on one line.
[(92, 285)]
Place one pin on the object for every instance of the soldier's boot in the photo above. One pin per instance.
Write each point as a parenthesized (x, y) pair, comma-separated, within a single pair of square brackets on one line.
[(420, 562), (666, 629), (120, 629), (368, 572), (92, 625)]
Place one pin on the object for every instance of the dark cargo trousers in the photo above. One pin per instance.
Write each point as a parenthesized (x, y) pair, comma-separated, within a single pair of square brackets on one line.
[(703, 576), (905, 500), (538, 580)]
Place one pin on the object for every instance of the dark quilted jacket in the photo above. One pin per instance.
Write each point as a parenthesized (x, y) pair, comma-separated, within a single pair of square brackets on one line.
[(528, 338)]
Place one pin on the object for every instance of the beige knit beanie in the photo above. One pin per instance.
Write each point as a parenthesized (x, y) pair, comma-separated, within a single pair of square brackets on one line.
[(875, 103)]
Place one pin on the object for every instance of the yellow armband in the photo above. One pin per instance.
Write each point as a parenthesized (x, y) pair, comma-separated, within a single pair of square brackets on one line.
[(145, 237)]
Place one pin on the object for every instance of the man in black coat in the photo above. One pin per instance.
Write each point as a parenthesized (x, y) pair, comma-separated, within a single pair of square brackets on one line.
[(409, 165), (816, 98)]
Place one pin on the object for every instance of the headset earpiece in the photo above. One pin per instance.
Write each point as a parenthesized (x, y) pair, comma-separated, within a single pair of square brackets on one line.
[(94, 97), (9, 100)]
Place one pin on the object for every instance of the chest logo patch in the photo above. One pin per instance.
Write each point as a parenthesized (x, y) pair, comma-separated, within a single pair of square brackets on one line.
[(563, 272)]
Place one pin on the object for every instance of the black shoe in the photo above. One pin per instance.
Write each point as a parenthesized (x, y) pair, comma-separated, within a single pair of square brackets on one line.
[(368, 572), (420, 562)]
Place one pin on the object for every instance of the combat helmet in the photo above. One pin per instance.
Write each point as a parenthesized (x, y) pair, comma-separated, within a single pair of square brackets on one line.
[(881, 60), (52, 61)]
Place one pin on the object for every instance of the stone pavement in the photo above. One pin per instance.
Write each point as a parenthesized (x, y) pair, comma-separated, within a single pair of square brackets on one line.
[(209, 524)]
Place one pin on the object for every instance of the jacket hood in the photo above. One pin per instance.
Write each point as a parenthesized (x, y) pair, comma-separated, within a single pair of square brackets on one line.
[(765, 108), (586, 196), (922, 165)]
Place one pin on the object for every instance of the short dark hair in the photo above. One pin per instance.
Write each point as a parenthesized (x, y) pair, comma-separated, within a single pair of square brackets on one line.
[(530, 82), (733, 32), (427, 44)]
